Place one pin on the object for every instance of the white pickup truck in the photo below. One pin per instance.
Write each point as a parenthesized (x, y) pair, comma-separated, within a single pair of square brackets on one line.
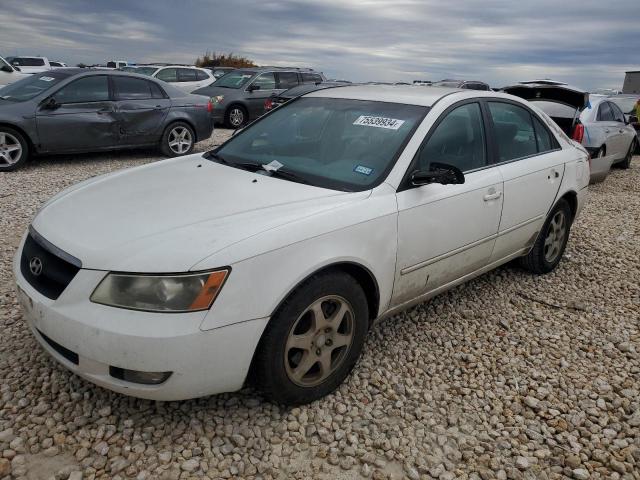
[(30, 64), (8, 73), (115, 64)]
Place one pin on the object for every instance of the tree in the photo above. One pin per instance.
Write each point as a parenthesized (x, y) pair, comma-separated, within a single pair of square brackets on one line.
[(213, 59)]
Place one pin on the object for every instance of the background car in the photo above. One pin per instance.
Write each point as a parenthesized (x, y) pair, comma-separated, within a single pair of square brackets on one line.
[(467, 84), (239, 96), (30, 65), (184, 77), (277, 100), (78, 110), (627, 104), (220, 71), (58, 64), (9, 73)]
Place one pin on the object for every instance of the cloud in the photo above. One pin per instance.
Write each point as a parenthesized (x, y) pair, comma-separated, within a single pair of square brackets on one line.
[(586, 42)]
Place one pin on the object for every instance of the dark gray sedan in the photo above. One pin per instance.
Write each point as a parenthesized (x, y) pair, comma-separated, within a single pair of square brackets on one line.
[(79, 110)]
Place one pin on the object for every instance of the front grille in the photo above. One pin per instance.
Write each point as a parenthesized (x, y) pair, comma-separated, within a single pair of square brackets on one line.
[(47, 269), (65, 352)]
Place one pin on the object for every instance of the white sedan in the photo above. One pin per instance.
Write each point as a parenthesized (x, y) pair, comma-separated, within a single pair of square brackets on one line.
[(266, 260)]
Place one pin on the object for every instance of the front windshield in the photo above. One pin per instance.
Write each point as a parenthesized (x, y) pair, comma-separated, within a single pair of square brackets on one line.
[(626, 104), (342, 144), (234, 79), (30, 87)]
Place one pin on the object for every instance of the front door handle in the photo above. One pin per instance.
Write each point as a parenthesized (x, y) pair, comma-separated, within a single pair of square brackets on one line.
[(492, 196)]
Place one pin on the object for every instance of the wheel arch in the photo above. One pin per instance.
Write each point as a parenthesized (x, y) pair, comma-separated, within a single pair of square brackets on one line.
[(27, 137), (571, 197)]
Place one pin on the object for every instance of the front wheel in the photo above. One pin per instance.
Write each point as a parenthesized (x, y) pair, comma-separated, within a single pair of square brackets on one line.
[(313, 341), (235, 117), (14, 149), (178, 139), (551, 242)]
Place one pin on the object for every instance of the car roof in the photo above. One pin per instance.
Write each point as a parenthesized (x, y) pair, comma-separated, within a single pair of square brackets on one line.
[(407, 94)]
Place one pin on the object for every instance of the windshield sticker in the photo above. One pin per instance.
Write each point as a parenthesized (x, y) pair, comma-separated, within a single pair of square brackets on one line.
[(379, 122), (47, 79), (273, 166), (363, 170)]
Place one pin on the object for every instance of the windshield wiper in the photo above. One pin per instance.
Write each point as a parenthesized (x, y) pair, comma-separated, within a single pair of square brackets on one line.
[(286, 175), (252, 167)]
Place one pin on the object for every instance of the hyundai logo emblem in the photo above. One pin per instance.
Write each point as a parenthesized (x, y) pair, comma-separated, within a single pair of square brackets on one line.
[(35, 265)]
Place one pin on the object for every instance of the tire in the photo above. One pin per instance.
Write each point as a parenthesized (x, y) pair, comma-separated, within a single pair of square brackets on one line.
[(14, 149), (544, 258), (290, 375), (178, 139), (626, 163), (236, 116)]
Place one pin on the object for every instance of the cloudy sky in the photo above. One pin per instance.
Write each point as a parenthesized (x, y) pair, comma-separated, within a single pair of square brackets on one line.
[(589, 43)]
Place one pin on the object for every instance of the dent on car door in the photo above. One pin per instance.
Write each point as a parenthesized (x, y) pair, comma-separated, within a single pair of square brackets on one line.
[(82, 118), (141, 107), (532, 166), (448, 231)]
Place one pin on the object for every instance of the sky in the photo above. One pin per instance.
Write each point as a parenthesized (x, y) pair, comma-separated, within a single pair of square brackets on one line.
[(587, 43)]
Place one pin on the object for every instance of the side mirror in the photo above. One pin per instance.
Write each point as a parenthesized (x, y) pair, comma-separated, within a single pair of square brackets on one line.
[(438, 173), (50, 104), (253, 87), (633, 119), (6, 68)]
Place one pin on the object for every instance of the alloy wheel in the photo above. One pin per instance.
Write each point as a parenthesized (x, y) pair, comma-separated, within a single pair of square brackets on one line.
[(319, 341), (554, 240), (180, 140), (10, 149), (236, 117)]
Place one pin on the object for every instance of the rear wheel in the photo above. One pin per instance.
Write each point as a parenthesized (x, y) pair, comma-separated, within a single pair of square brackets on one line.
[(235, 116), (549, 246), (178, 139), (626, 163), (313, 341), (14, 149)]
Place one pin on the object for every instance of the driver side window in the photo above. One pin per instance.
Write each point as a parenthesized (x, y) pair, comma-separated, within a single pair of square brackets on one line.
[(458, 140), (84, 90)]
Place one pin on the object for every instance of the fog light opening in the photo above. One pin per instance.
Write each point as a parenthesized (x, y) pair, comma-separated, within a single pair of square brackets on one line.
[(135, 376)]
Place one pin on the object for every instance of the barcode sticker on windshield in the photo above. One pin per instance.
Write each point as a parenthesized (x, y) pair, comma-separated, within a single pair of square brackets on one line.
[(380, 122)]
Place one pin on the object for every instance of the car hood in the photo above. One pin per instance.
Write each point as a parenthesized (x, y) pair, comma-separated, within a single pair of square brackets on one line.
[(550, 92), (169, 215), (214, 91)]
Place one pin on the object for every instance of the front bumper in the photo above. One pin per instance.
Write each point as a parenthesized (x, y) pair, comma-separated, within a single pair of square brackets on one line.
[(202, 362)]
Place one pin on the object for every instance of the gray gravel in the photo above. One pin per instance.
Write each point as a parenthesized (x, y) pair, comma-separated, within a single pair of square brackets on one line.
[(508, 376)]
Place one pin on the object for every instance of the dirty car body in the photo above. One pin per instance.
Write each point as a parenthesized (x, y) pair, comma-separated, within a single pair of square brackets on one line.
[(399, 192)]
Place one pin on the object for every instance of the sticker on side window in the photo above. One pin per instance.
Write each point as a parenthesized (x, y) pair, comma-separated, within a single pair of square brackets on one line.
[(379, 122), (363, 170)]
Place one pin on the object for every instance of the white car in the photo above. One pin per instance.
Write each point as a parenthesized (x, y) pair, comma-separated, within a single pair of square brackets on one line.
[(8, 73), (267, 259), (185, 78), (30, 65), (58, 65)]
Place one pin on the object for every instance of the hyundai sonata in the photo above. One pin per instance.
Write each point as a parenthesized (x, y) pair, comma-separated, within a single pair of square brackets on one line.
[(267, 259)]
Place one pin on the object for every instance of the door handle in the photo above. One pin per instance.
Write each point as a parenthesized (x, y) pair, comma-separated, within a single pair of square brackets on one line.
[(606, 130), (105, 110), (492, 196)]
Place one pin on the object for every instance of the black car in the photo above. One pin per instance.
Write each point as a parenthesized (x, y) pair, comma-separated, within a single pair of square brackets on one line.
[(239, 96), (80, 110), (468, 84), (278, 99)]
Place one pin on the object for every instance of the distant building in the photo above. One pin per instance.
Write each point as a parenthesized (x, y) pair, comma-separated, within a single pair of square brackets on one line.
[(631, 82)]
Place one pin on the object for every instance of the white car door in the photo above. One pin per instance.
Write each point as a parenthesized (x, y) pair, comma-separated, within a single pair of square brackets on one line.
[(448, 231), (625, 134), (532, 165)]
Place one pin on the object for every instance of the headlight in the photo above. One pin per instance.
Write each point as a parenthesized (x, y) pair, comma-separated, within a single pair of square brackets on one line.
[(217, 100), (160, 293)]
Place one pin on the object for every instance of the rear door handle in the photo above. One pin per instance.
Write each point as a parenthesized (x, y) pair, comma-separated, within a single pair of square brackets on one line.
[(492, 196)]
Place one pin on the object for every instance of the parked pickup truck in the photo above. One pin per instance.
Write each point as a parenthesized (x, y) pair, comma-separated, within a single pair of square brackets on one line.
[(8, 73), (117, 64), (30, 64)]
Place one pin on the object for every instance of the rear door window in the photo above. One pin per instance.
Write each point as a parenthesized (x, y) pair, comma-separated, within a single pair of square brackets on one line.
[(515, 135), (618, 116), (85, 90), (132, 88), (604, 113), (311, 78), (200, 75), (287, 80), (543, 137)]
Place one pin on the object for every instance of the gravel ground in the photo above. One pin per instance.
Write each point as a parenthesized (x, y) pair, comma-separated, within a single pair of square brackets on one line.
[(508, 376)]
